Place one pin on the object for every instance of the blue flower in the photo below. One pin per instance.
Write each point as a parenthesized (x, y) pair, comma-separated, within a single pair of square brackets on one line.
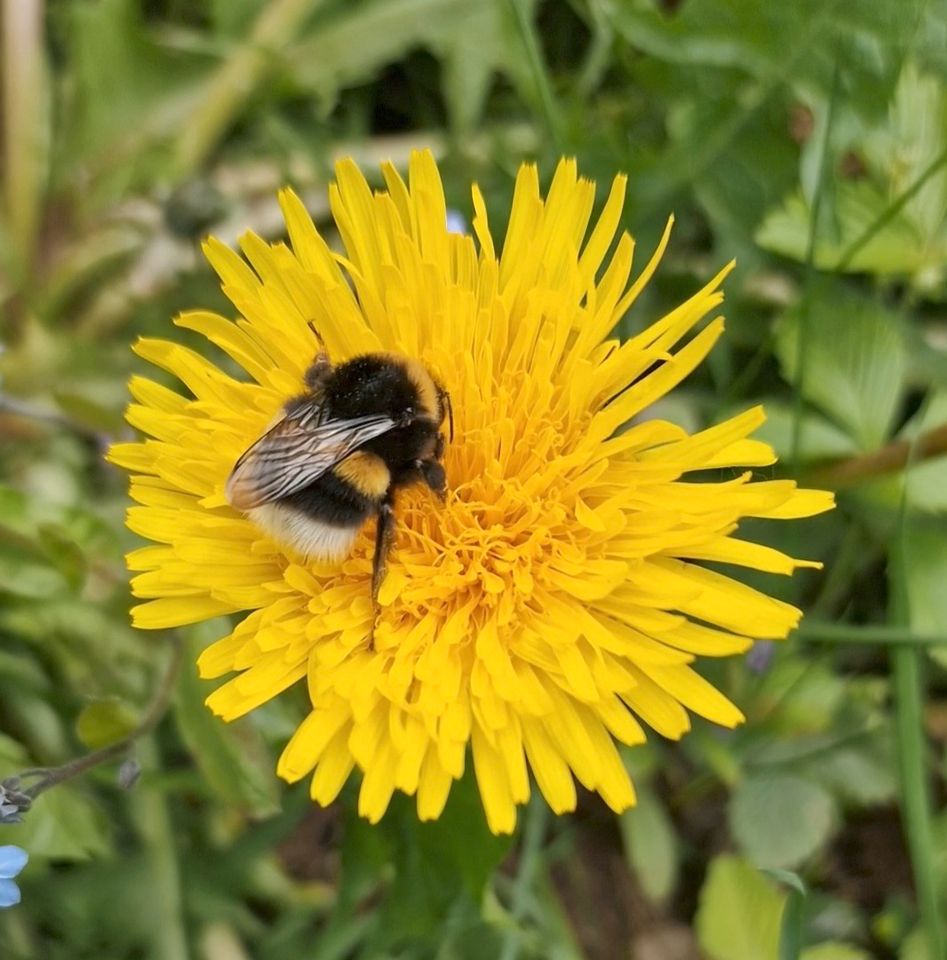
[(456, 222), (12, 861)]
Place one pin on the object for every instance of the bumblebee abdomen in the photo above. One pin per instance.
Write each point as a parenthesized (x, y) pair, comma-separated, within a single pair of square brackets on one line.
[(313, 538), (333, 500), (366, 472), (323, 519)]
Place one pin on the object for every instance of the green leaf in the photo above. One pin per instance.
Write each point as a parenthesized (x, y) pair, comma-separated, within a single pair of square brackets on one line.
[(915, 136), (64, 554), (96, 633), (231, 756), (352, 43), (915, 946), (232, 17), (854, 362), (24, 671), (808, 694), (892, 251), (481, 47), (835, 951), (779, 820), (14, 508), (794, 916), (127, 89), (865, 775), (104, 722), (927, 480), (440, 869), (819, 439), (650, 842), (871, 229), (740, 912), (925, 559), (798, 44), (30, 580), (741, 32), (788, 878)]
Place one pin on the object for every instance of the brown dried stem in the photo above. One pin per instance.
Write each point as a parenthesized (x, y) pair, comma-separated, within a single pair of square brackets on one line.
[(891, 458)]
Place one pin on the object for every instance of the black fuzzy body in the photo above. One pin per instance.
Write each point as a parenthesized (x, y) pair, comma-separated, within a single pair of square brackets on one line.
[(333, 501), (373, 384)]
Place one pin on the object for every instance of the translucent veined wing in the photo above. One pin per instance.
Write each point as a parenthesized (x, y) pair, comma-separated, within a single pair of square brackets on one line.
[(295, 452)]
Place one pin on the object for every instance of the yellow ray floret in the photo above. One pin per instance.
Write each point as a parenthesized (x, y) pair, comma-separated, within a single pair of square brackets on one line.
[(557, 600)]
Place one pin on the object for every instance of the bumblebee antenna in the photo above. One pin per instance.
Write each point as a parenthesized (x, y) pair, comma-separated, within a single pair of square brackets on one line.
[(315, 332), (321, 366)]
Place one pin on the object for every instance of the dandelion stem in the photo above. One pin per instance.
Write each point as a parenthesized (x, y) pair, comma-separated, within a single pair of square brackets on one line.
[(49, 777)]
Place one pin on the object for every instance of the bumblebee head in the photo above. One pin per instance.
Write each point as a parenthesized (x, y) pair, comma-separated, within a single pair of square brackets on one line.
[(433, 401)]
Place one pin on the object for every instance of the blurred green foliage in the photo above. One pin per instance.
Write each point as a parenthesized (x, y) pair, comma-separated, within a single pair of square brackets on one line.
[(807, 139)]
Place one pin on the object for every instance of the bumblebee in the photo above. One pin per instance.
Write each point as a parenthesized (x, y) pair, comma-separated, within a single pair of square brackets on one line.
[(339, 452)]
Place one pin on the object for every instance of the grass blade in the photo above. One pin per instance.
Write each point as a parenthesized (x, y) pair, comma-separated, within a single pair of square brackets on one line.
[(537, 68), (911, 743)]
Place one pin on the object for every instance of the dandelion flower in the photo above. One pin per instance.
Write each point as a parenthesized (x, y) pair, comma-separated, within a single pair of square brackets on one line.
[(556, 602)]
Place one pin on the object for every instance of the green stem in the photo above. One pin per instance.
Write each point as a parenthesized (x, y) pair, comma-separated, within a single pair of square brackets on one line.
[(598, 54), (911, 741), (815, 631), (915, 799), (538, 70)]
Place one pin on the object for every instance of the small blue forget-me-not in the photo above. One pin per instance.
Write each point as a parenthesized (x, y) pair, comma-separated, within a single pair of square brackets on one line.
[(12, 861)]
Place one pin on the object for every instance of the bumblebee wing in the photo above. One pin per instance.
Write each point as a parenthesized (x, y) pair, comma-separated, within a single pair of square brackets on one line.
[(295, 452)]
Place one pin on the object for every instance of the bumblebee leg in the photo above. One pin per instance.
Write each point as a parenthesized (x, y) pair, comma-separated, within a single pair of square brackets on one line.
[(321, 367), (384, 537)]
